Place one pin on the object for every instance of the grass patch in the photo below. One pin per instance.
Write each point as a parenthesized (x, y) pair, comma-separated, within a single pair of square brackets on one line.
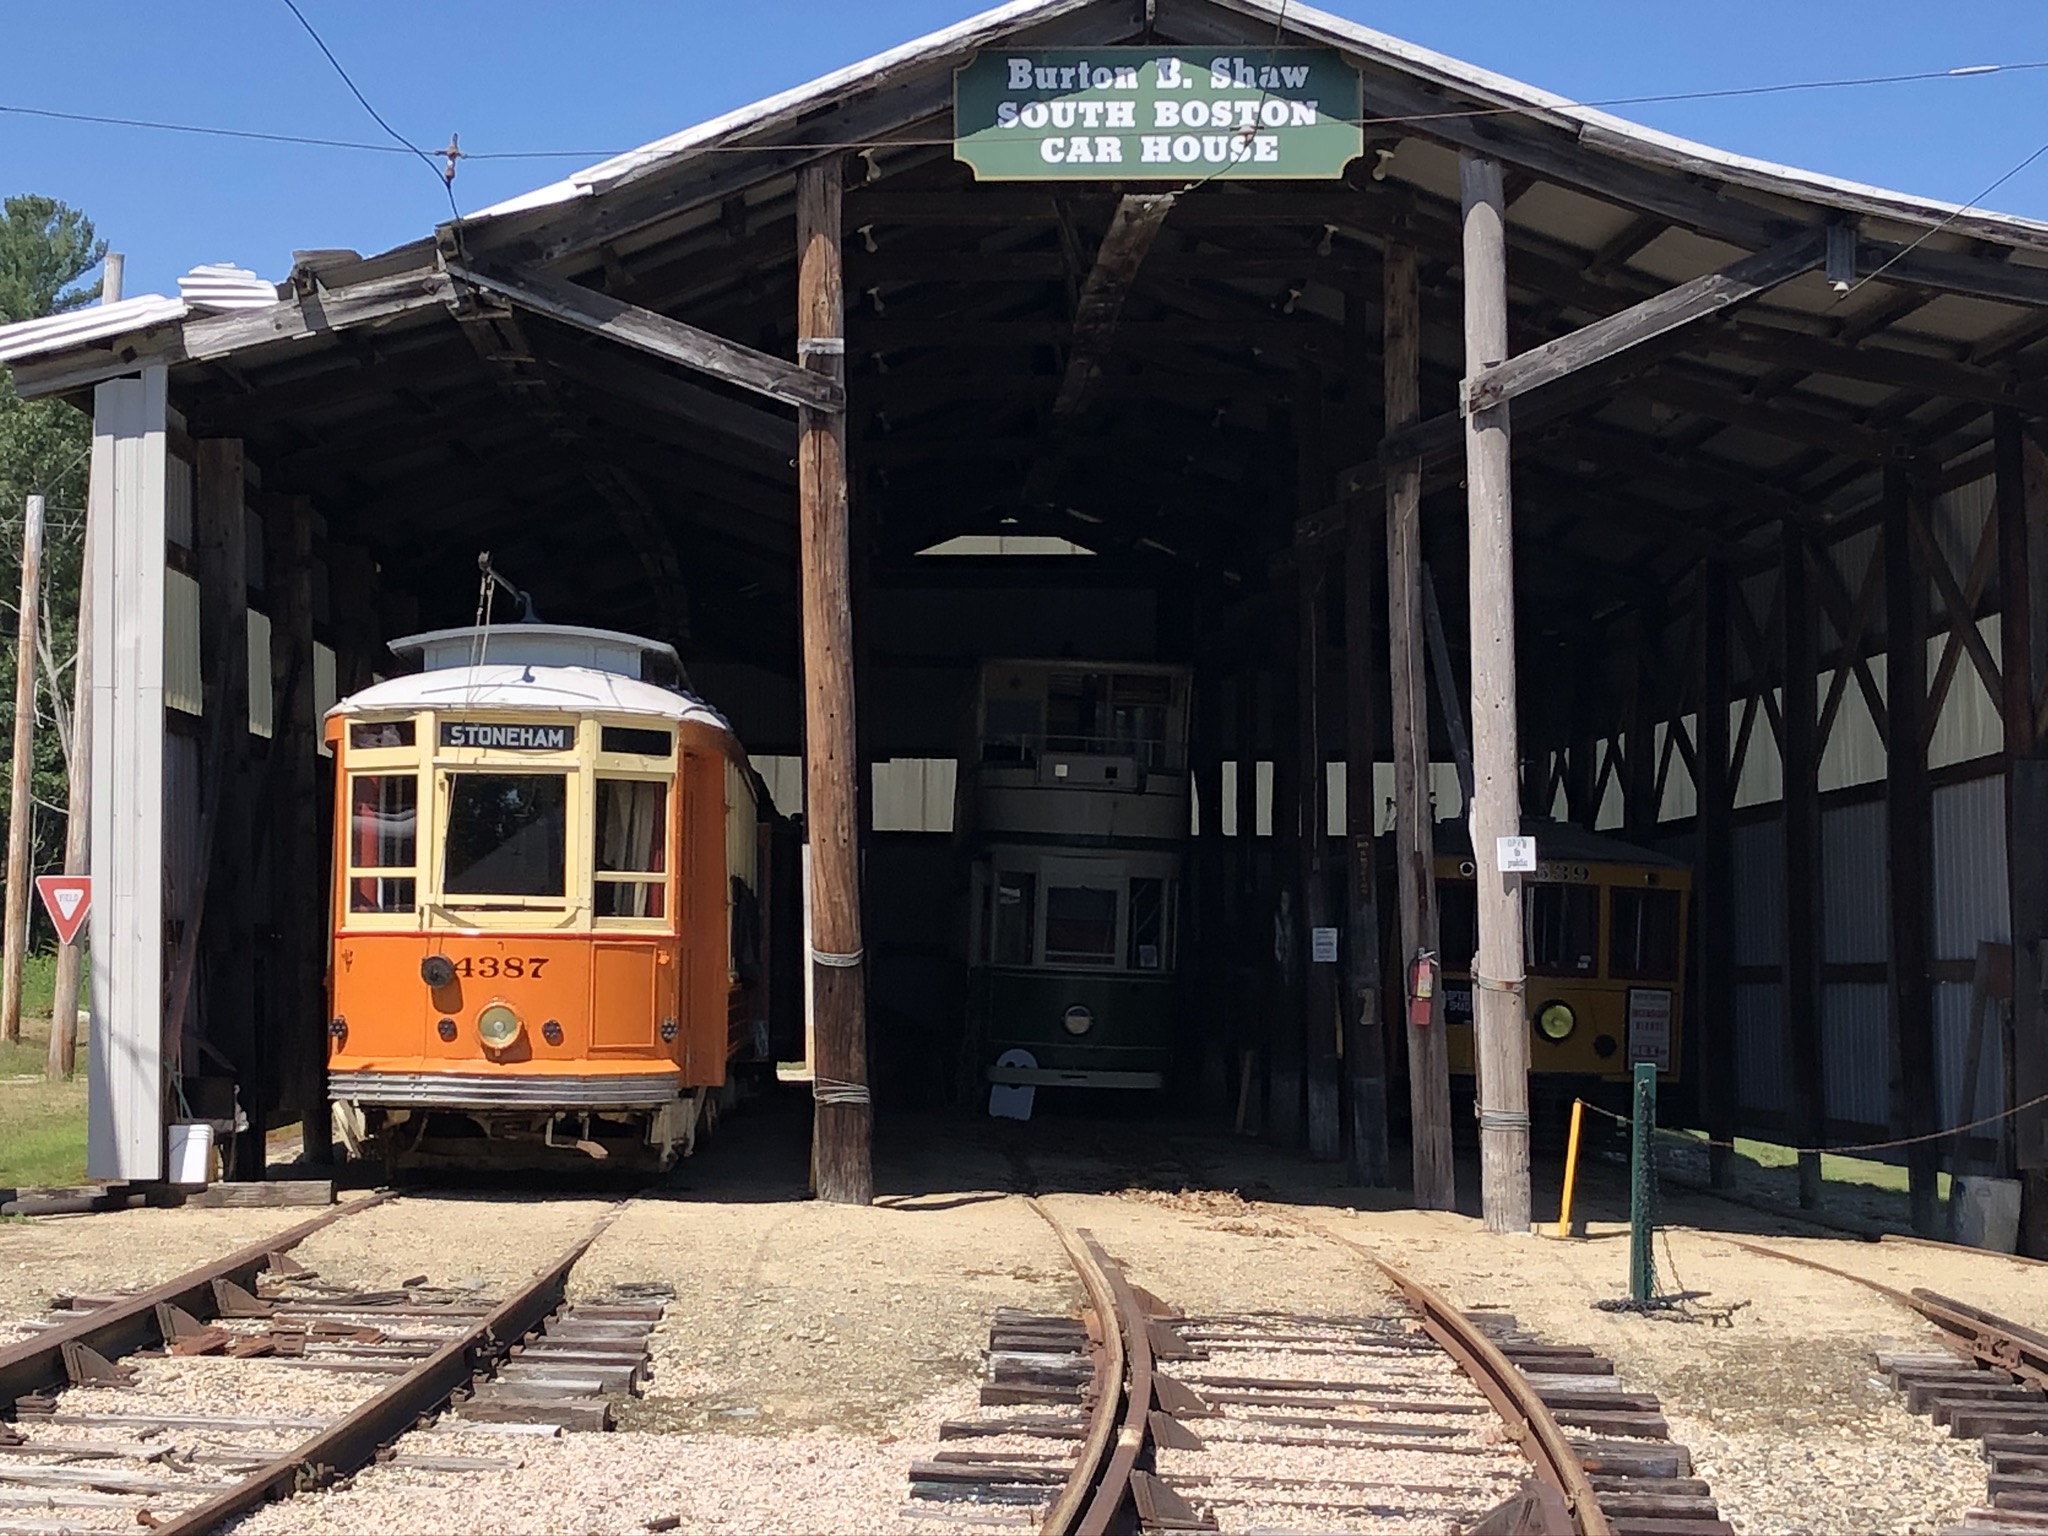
[(42, 1124)]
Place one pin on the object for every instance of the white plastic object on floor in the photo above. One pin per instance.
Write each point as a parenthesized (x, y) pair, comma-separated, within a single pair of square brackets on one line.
[(190, 1152), (1012, 1101), (1986, 1212)]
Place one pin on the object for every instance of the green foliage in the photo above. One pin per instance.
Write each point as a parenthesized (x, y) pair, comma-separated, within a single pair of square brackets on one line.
[(45, 248)]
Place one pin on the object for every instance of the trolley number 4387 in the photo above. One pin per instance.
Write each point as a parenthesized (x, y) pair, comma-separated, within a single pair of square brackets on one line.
[(486, 967)]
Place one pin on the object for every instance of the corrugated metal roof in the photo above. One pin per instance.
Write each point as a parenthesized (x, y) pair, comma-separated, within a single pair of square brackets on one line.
[(1598, 132), (97, 322)]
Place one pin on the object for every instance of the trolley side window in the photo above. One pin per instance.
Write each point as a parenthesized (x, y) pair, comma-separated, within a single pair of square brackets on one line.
[(632, 848), (507, 836), (1080, 925), (383, 820), (1150, 925), (1562, 929), (1014, 932), (1642, 934)]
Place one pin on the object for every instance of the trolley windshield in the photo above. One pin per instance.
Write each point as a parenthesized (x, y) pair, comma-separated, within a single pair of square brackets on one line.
[(507, 836)]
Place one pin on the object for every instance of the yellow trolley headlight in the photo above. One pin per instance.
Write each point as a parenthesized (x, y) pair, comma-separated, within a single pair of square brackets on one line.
[(1555, 1021), (498, 1026)]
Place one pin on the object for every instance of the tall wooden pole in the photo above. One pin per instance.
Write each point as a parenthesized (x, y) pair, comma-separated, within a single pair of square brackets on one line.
[(1909, 843), (20, 809), (1429, 1070), (1803, 1068), (840, 1150), (1365, 1046), (63, 1059), (1714, 892), (1500, 1030), (1322, 1013)]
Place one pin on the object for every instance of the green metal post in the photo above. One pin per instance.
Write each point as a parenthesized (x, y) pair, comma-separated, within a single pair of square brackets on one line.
[(1642, 1168)]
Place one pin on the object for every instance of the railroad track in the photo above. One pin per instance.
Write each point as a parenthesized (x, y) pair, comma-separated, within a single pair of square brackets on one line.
[(272, 1383), (1141, 1417), (1989, 1383)]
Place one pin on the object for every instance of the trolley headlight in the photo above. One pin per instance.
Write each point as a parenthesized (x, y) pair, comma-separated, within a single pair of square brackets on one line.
[(1556, 1021), (498, 1026), (1078, 1020)]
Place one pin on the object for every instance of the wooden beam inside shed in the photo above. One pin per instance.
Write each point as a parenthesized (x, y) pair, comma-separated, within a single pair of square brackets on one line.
[(1803, 1065), (1132, 230)]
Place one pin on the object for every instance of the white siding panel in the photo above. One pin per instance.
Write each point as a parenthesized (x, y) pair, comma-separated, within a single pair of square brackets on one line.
[(1853, 906), (1854, 753), (1969, 726), (324, 694), (913, 794), (1762, 780), (1970, 899), (1760, 1048), (1759, 872), (1857, 1051), (259, 674), (1951, 1044), (784, 777), (182, 688)]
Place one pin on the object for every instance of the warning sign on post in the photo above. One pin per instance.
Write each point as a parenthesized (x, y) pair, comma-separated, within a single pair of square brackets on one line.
[(1649, 1027), (67, 898)]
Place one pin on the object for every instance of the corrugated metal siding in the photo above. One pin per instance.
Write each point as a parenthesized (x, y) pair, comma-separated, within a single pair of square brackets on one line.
[(1853, 908), (1760, 1048), (1854, 753), (182, 799), (1957, 519), (323, 687), (182, 689), (1970, 897), (1951, 1042), (784, 777), (1969, 726), (1681, 796), (259, 674), (914, 794), (1759, 871), (1763, 771), (178, 494), (1856, 1047)]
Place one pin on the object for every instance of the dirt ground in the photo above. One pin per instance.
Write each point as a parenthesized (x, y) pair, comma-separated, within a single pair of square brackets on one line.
[(809, 1352)]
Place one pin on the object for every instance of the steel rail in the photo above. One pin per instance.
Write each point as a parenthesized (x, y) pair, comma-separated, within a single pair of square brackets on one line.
[(37, 1364), (1074, 1512), (1529, 1422), (353, 1441), (1972, 1332), (1114, 1487)]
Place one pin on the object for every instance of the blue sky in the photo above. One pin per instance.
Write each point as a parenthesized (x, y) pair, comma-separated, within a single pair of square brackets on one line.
[(604, 75)]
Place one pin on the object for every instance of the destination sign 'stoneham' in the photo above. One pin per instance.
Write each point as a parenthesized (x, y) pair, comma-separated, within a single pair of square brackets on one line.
[(502, 738), (1157, 114)]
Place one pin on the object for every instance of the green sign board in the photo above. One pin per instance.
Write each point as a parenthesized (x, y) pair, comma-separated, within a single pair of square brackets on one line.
[(1157, 114)]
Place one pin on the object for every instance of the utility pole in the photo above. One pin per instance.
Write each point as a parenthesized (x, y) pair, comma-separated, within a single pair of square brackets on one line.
[(841, 1158), (20, 811), (1500, 1026), (63, 1062)]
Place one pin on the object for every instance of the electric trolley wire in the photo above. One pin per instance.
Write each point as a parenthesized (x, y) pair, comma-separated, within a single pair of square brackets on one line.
[(404, 146)]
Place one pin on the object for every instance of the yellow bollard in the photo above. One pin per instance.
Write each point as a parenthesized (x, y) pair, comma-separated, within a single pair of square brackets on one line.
[(1571, 1171)]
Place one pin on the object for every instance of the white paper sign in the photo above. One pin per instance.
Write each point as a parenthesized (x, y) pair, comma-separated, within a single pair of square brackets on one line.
[(1649, 1027), (1322, 946), (1517, 855)]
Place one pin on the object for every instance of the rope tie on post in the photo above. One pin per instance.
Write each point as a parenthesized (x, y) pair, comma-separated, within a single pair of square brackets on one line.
[(841, 962), (1502, 1119), (829, 1090), (1513, 988)]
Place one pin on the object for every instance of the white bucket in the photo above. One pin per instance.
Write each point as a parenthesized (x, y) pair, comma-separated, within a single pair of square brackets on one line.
[(190, 1159), (1986, 1212)]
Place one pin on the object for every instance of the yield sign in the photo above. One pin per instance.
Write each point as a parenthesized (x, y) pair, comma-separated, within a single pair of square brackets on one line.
[(68, 898)]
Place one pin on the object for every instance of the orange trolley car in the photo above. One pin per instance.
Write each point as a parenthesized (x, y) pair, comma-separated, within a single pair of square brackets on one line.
[(550, 867)]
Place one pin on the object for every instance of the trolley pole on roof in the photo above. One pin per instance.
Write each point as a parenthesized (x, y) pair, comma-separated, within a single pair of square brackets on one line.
[(19, 810), (841, 1165), (1500, 1032)]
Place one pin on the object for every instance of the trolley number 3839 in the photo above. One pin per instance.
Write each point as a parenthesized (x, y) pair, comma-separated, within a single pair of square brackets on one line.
[(486, 967)]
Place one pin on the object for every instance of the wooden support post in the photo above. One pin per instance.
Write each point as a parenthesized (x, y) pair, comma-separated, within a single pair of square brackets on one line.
[(227, 945), (1807, 1125), (1429, 1072), (1365, 1048), (296, 1012), (2022, 511), (1322, 1013), (841, 1158), (1252, 943), (1639, 783), (20, 807), (1500, 1029), (1714, 892), (1203, 966), (70, 968), (1908, 830), (1286, 1089)]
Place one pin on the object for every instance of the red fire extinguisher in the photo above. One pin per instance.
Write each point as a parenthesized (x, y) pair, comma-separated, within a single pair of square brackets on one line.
[(1421, 986)]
